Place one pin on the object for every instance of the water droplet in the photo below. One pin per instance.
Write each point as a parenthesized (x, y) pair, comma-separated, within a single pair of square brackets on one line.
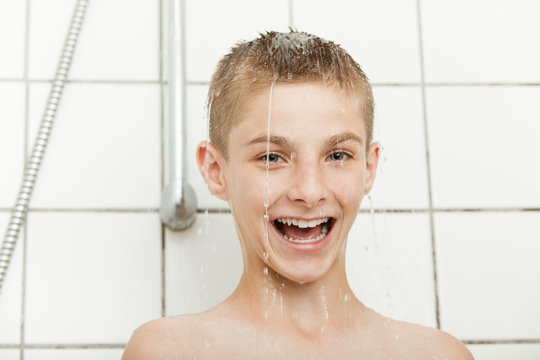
[(396, 337), (289, 76), (266, 217), (295, 315), (293, 156), (323, 329), (266, 255), (346, 298), (207, 344), (265, 271)]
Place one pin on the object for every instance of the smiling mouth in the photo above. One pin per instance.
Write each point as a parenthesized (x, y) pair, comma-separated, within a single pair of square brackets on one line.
[(303, 231)]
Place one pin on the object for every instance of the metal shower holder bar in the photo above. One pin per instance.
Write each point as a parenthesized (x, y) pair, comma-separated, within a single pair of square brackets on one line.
[(178, 199)]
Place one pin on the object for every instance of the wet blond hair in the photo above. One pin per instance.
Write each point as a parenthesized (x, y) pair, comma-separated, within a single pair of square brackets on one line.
[(283, 58)]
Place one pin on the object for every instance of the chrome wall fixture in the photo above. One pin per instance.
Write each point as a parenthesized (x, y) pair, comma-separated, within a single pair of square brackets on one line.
[(178, 199), (33, 163)]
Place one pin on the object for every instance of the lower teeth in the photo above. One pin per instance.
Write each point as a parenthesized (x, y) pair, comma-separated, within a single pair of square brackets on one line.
[(307, 241)]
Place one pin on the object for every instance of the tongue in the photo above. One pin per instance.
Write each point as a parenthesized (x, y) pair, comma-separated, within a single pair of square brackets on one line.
[(297, 233)]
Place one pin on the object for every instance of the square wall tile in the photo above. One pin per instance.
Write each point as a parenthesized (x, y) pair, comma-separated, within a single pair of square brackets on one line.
[(203, 264), (198, 131), (95, 276), (69, 354), (118, 39), (382, 36), (104, 150), (505, 351), (488, 272), (11, 141), (390, 266), (483, 145), (12, 37), (213, 27), (399, 127), (10, 354), (481, 41), (10, 292)]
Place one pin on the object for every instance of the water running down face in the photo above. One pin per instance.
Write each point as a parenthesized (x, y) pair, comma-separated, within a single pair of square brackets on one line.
[(319, 170)]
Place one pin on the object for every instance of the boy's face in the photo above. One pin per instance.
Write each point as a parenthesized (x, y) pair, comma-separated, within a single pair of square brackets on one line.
[(319, 170)]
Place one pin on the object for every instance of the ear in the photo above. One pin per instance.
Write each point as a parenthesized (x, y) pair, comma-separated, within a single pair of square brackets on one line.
[(211, 165), (372, 160)]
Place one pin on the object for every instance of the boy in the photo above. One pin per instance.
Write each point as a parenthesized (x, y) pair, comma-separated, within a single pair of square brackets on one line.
[(291, 119)]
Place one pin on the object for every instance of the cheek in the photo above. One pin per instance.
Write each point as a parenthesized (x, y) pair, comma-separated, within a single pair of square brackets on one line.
[(247, 186), (348, 187)]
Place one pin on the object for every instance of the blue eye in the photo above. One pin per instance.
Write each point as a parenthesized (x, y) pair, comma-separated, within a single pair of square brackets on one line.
[(271, 158), (338, 156)]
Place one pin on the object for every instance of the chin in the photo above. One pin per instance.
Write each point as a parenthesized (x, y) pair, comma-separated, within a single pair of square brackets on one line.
[(303, 272)]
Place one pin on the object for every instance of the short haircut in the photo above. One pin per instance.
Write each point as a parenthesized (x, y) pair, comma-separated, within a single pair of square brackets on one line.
[(281, 58)]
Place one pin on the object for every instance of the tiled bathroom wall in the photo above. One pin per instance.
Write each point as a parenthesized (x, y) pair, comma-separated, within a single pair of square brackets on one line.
[(449, 238)]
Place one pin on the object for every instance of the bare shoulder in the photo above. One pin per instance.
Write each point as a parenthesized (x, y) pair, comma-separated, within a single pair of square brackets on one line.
[(165, 338), (424, 341)]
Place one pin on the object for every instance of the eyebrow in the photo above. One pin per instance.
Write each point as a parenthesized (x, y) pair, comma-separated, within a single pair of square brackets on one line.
[(273, 139), (339, 138), (282, 141)]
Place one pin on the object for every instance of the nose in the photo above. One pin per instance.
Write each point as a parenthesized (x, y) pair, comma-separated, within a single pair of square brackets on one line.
[(308, 186)]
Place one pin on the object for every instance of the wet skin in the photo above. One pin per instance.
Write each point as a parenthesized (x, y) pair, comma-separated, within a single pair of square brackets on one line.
[(293, 300)]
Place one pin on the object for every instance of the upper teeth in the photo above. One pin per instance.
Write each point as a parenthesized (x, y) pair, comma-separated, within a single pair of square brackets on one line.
[(303, 223)]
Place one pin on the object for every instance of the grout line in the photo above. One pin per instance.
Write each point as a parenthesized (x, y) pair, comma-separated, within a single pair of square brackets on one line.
[(83, 81), (25, 152), (226, 210), (501, 342), (428, 167), (121, 345), (96, 210), (64, 346)]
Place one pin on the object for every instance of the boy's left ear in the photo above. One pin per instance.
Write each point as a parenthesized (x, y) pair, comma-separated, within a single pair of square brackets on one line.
[(211, 165), (372, 160)]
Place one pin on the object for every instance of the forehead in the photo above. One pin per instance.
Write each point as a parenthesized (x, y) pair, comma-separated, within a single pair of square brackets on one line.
[(293, 102), (309, 105)]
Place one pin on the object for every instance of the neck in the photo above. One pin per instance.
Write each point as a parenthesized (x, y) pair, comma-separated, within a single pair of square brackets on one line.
[(311, 308)]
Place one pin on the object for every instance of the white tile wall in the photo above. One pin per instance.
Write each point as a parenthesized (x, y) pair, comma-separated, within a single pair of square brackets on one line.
[(69, 354), (12, 25), (106, 145), (95, 260), (506, 351), (202, 265), (11, 293), (119, 39), (92, 277), (213, 27), (488, 274), (401, 178), (389, 265), (381, 35), (481, 41), (483, 146), (10, 354), (11, 140)]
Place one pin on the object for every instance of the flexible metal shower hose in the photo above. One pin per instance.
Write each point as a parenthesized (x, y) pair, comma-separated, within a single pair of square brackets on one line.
[(18, 214)]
